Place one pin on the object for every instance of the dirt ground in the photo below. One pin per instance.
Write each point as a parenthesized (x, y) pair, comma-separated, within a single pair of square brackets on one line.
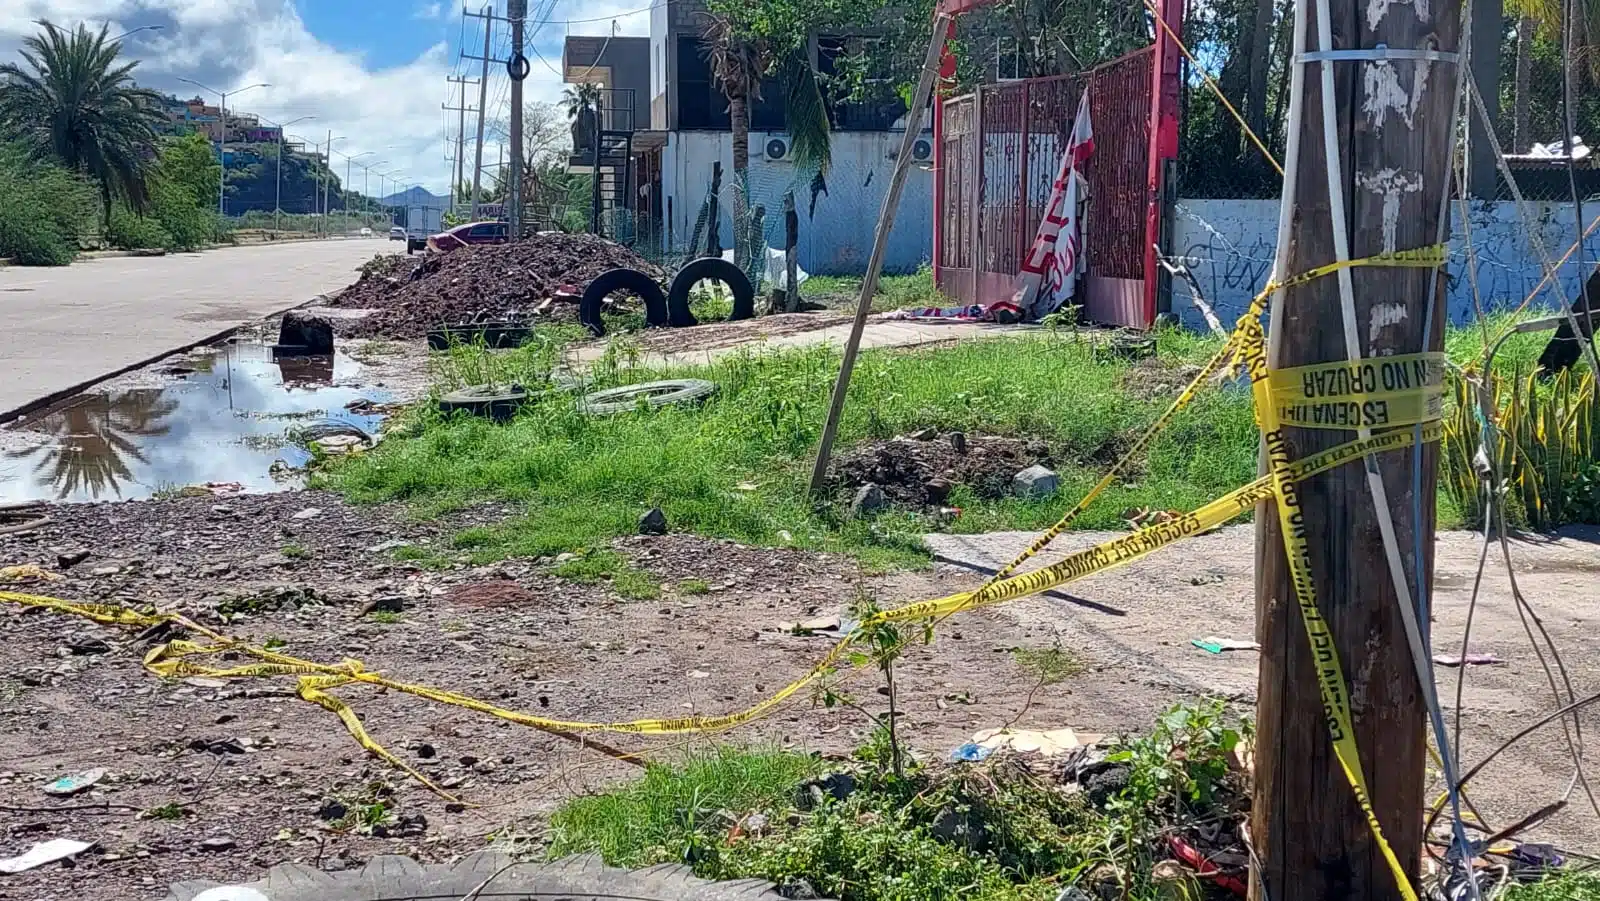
[(69, 703)]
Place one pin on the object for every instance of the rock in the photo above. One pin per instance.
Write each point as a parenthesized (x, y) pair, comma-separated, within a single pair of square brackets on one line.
[(653, 522), (798, 889), (412, 824), (1034, 482), (868, 500), (391, 544), (218, 844), (83, 644), (339, 444), (389, 603), (958, 440), (216, 569), (308, 513), (566, 557), (937, 489), (222, 509), (924, 434), (71, 559), (332, 809), (425, 750), (101, 572), (301, 329)]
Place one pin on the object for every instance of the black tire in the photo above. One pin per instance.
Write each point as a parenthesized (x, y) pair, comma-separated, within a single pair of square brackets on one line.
[(490, 875), (608, 283), (654, 394), (714, 269), (488, 401)]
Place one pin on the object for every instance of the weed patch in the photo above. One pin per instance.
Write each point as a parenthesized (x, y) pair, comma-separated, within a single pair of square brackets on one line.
[(609, 566), (1013, 828), (736, 467)]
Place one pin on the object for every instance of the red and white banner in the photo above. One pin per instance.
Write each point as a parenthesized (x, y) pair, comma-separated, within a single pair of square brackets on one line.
[(1050, 272)]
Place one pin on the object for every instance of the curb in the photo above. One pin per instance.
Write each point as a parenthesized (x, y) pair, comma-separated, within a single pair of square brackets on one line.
[(55, 397)]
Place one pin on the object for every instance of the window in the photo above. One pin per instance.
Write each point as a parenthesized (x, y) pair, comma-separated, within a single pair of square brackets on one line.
[(701, 103), (878, 111)]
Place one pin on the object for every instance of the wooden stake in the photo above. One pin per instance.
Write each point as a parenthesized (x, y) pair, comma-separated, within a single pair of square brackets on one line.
[(880, 244), (1392, 159)]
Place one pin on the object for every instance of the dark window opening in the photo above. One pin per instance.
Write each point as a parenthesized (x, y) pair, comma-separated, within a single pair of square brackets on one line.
[(878, 111), (701, 103)]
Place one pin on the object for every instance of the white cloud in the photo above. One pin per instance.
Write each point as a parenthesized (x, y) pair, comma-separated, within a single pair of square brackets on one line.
[(393, 112)]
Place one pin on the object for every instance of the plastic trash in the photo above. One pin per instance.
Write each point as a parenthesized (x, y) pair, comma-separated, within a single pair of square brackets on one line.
[(76, 782), (1211, 644), (43, 853)]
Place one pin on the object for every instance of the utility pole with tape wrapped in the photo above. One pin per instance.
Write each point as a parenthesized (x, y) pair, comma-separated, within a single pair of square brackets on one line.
[(1345, 559)]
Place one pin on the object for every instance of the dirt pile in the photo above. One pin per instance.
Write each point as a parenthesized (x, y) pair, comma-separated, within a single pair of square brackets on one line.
[(496, 281), (921, 469)]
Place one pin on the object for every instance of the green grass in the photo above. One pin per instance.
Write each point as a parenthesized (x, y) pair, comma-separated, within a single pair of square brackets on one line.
[(733, 813), (386, 617), (582, 480), (1562, 887), (590, 567), (894, 291), (630, 826), (694, 586), (295, 551)]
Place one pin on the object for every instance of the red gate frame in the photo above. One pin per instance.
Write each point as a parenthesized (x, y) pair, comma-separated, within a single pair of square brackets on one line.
[(1164, 87)]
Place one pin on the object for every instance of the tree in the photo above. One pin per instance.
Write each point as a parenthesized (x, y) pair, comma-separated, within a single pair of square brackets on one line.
[(81, 105), (1540, 63)]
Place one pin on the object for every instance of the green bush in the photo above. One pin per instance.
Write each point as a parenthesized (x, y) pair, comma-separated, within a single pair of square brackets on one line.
[(188, 227), (130, 231), (45, 209)]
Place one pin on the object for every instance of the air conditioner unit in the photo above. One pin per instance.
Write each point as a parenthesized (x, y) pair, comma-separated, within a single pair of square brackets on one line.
[(776, 149), (922, 150)]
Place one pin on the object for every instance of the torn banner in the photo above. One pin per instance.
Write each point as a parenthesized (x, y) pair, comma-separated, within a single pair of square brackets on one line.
[(1050, 272)]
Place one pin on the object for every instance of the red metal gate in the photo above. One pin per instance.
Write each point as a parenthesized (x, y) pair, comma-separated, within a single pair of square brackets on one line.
[(1000, 148)]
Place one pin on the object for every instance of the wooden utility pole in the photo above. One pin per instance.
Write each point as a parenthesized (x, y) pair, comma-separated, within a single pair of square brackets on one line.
[(1375, 183), (880, 246)]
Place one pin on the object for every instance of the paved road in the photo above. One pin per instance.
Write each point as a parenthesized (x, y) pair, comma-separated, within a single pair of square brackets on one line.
[(64, 327)]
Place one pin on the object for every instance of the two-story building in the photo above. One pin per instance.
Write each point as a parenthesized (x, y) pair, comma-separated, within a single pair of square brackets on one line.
[(669, 124)]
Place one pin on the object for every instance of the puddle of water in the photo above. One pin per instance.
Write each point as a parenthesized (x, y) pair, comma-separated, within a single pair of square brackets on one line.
[(225, 418)]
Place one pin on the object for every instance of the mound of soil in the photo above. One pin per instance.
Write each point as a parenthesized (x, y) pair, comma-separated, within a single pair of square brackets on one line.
[(920, 470), (410, 295)]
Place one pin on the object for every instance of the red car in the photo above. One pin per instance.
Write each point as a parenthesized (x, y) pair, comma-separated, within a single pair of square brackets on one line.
[(470, 233)]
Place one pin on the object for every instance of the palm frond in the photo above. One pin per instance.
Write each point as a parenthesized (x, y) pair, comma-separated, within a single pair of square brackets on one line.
[(810, 132)]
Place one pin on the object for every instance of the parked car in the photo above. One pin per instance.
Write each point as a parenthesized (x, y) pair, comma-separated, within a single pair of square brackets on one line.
[(366, 232), (470, 233), (397, 234)]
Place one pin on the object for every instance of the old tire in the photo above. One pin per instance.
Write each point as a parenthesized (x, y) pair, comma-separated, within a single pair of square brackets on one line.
[(488, 401), (612, 281), (668, 393), (709, 269), (486, 875)]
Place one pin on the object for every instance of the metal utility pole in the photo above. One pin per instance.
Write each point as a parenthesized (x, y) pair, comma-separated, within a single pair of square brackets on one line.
[(222, 135), (461, 110), (1368, 171), (518, 70), (487, 15)]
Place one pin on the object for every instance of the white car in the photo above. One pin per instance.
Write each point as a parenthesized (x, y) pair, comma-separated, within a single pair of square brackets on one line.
[(397, 234), (366, 233)]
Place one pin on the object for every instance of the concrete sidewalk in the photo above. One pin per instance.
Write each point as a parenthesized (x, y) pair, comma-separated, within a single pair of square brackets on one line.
[(71, 326)]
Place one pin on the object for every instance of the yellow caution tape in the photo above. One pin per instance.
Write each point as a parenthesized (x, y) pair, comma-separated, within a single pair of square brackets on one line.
[(1297, 551), (1408, 385)]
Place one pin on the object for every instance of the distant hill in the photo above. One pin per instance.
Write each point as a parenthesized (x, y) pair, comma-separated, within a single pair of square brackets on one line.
[(416, 195)]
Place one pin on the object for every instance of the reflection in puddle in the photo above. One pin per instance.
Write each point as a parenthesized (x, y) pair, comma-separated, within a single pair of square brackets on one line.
[(227, 420)]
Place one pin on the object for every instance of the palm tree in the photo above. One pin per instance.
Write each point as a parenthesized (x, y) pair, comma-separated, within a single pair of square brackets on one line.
[(81, 105), (739, 64)]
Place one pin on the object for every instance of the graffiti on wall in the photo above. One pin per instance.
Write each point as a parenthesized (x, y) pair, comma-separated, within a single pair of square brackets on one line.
[(1228, 245)]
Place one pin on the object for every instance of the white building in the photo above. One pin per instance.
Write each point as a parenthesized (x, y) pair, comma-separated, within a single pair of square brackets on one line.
[(658, 198)]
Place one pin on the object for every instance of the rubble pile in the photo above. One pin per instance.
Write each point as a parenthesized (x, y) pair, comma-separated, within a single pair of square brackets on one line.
[(408, 296)]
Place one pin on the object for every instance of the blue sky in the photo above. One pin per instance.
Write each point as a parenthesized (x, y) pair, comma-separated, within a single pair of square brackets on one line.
[(370, 72)]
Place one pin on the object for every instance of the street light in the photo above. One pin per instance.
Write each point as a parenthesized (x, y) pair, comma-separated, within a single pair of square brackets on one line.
[(328, 181), (277, 192), (136, 31), (222, 144), (347, 161), (366, 174)]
